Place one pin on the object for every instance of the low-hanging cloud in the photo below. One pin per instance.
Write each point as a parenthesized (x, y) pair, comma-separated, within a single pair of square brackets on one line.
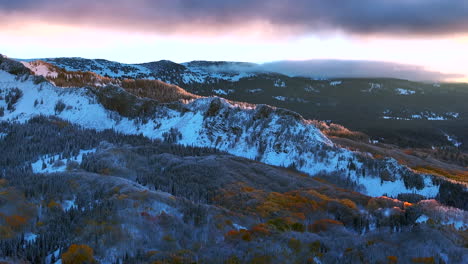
[(344, 69), (420, 17)]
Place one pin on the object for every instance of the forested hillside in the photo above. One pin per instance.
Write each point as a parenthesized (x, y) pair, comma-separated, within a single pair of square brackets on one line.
[(134, 200)]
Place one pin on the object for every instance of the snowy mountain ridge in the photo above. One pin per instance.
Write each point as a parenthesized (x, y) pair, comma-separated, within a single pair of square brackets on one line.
[(166, 71), (270, 135)]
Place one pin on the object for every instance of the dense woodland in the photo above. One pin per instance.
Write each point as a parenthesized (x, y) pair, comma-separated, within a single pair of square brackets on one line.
[(141, 201)]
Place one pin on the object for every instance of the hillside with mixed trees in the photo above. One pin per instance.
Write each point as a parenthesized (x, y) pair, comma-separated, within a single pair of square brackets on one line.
[(134, 200), (101, 169)]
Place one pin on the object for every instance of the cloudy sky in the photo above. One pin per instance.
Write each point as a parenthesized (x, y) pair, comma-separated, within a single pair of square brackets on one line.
[(419, 37)]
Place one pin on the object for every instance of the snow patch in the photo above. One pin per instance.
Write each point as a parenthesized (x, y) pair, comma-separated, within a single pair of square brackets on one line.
[(30, 237), (395, 118), (444, 257), (52, 164), (374, 186), (239, 227), (453, 114), (373, 86), (311, 89), (56, 255), (444, 215), (280, 83), (222, 92), (67, 205), (422, 219), (279, 98), (402, 91), (255, 90), (425, 115), (453, 140), (40, 69), (436, 118), (317, 260)]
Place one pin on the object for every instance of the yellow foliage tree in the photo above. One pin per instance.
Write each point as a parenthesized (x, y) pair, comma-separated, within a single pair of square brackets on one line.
[(16, 222), (78, 254), (392, 259)]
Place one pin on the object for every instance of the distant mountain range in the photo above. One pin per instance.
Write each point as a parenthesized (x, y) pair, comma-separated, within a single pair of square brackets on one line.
[(317, 69)]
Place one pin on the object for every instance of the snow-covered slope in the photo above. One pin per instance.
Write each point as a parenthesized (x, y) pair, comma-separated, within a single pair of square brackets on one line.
[(40, 69), (270, 135)]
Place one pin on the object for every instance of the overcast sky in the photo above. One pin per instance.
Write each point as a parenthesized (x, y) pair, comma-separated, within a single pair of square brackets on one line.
[(431, 36)]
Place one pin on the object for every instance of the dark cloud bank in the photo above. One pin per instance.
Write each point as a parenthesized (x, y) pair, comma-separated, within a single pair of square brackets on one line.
[(427, 17)]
